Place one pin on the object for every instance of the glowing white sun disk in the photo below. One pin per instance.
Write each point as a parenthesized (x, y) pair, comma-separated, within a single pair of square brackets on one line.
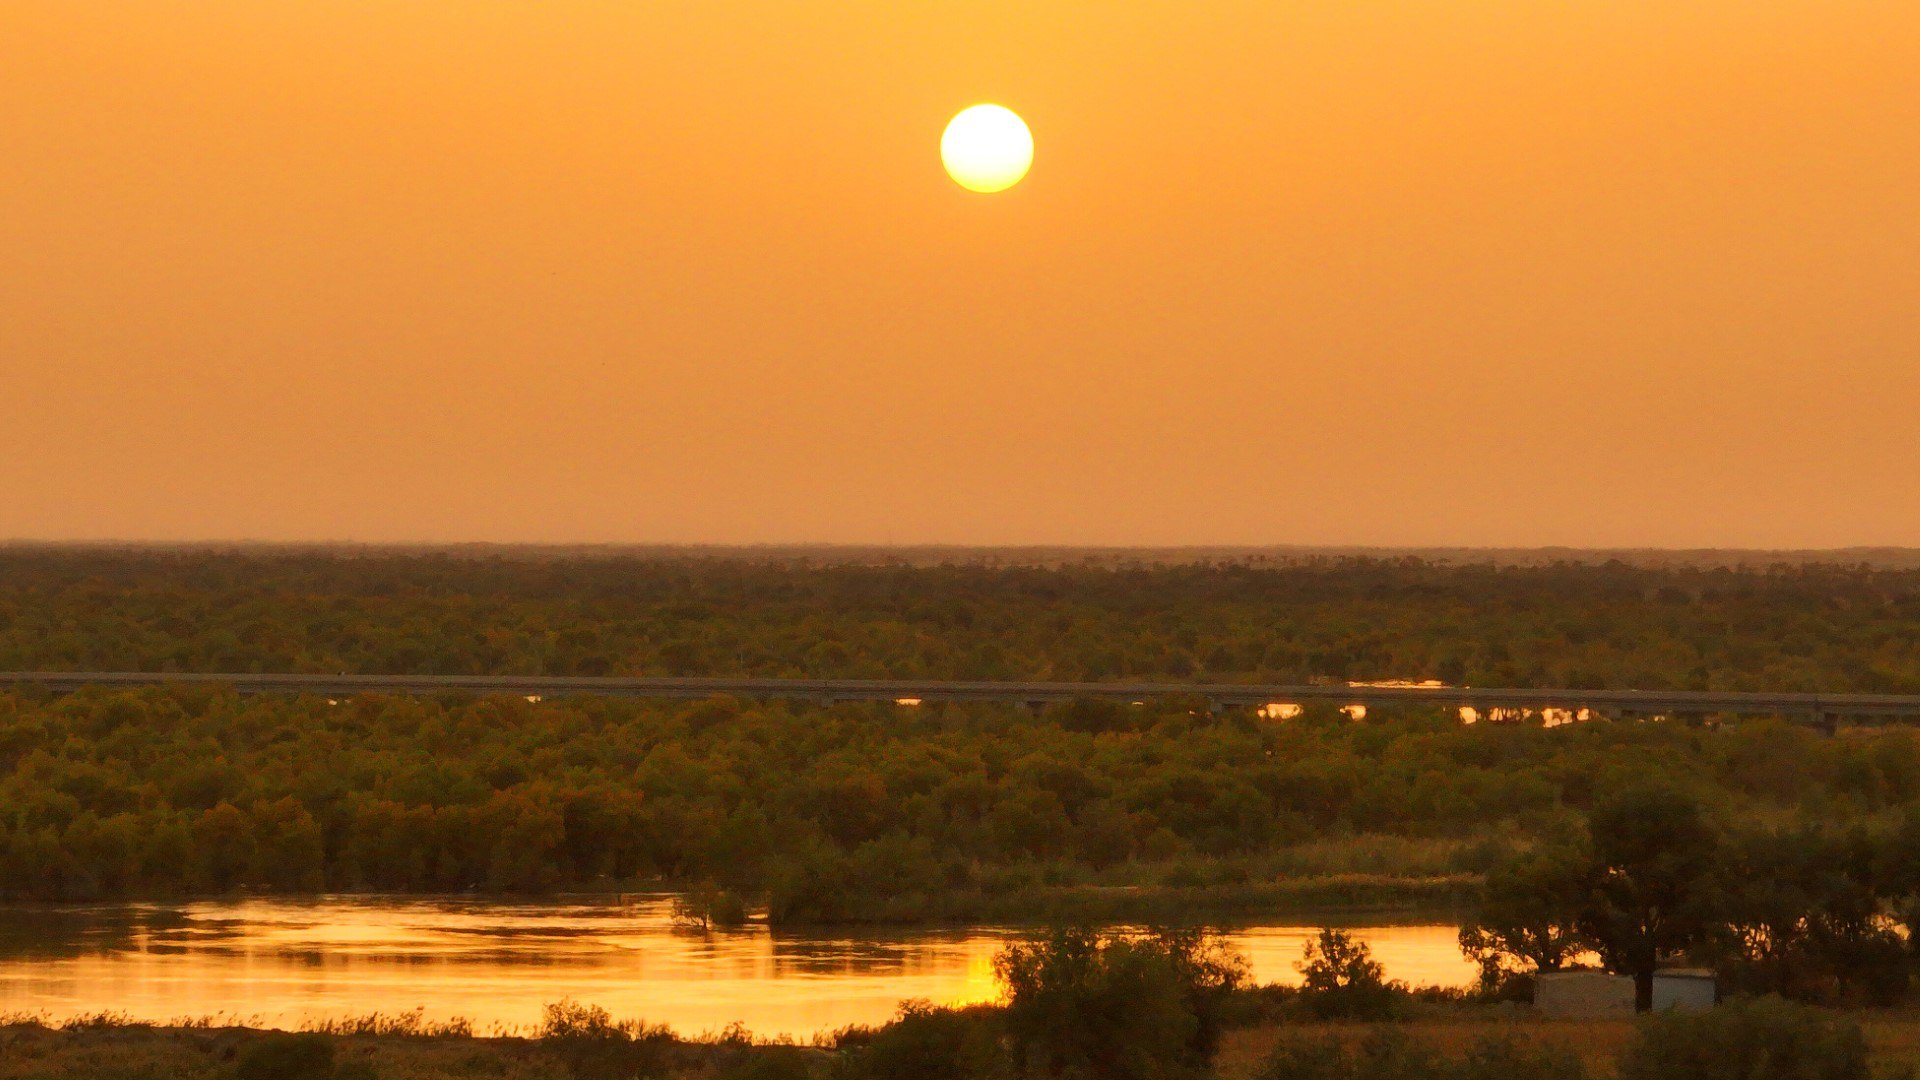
[(987, 148)]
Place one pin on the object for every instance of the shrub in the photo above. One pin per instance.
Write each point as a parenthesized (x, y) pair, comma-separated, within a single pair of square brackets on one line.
[(1756, 1039), (710, 908), (594, 1047), (1086, 1005), (925, 1042)]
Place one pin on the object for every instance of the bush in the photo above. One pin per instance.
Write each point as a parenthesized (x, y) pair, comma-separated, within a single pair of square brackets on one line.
[(1086, 1005), (1757, 1039), (594, 1047), (710, 908), (925, 1042), (286, 1057), (1341, 980)]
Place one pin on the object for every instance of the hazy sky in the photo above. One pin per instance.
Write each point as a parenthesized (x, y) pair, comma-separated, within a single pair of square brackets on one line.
[(1286, 271)]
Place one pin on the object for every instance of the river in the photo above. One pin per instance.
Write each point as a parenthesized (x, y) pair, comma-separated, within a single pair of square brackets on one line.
[(284, 963)]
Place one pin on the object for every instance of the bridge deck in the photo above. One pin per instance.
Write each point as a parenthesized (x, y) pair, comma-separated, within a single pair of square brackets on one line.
[(1797, 705)]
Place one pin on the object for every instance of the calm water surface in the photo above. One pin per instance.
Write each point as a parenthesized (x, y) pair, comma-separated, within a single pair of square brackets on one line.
[(283, 963)]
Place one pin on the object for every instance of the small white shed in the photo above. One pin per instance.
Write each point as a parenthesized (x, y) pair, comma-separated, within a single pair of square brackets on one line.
[(1583, 995), (1685, 990)]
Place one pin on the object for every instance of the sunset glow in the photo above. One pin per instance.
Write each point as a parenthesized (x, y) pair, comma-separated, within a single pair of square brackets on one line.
[(548, 538), (383, 272)]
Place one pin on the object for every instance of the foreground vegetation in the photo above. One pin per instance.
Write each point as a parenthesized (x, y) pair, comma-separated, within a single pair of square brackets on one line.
[(34, 1052)]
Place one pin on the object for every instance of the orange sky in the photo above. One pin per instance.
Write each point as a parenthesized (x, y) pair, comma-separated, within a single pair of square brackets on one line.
[(1287, 271)]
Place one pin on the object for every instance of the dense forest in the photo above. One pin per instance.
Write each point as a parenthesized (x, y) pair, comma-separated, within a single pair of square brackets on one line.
[(896, 812), (1790, 626), (843, 812)]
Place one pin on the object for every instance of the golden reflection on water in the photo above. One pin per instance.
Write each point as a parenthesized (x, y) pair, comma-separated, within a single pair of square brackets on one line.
[(285, 963)]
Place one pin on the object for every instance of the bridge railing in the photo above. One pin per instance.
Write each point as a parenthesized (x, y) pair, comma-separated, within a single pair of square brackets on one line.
[(1818, 707)]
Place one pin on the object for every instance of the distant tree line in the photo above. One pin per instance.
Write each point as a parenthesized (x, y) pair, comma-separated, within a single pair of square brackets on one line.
[(1790, 627)]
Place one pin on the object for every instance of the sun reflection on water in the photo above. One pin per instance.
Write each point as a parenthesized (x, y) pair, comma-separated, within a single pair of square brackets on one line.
[(284, 963)]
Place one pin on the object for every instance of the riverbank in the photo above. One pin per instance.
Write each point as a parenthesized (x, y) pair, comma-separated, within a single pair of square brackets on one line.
[(1319, 897), (1340, 896)]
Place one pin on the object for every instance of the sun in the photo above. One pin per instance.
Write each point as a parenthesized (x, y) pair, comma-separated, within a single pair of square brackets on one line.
[(987, 148)]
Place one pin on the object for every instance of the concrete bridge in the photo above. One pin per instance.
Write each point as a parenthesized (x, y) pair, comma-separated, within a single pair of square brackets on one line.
[(1822, 709)]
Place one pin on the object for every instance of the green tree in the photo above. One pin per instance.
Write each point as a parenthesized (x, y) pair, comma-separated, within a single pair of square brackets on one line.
[(1088, 1006), (1340, 978), (224, 840), (1653, 854), (1527, 917)]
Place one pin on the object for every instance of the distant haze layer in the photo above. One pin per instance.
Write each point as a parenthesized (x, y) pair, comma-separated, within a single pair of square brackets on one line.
[(1591, 272)]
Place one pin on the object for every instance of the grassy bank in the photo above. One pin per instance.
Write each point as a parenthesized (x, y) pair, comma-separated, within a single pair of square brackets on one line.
[(110, 1050), (133, 1052)]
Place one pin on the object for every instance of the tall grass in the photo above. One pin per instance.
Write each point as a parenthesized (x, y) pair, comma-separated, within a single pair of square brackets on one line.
[(411, 1024)]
